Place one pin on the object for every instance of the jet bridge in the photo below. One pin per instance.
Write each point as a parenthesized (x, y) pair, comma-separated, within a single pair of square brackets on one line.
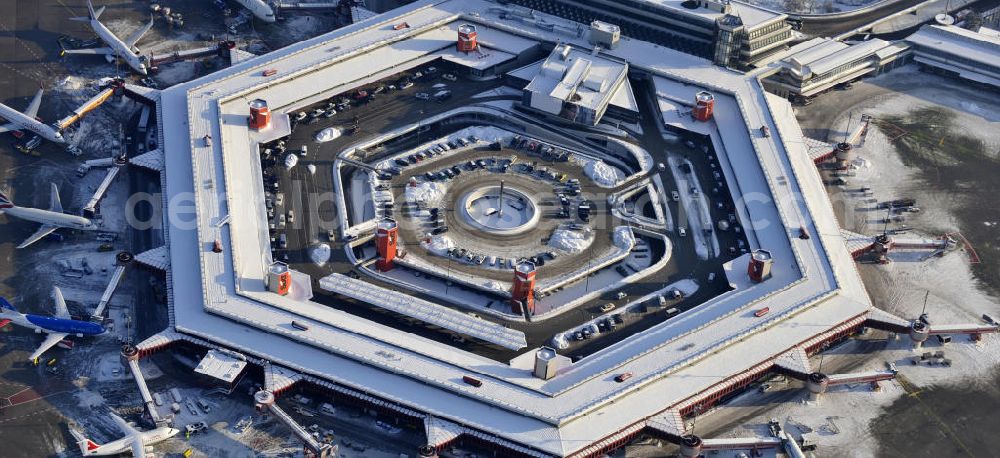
[(90, 209), (123, 259)]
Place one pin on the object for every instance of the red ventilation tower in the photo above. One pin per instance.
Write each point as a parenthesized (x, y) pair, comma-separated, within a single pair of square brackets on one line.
[(260, 115), (279, 278), (760, 266), (386, 237), (704, 105), (524, 288), (467, 38)]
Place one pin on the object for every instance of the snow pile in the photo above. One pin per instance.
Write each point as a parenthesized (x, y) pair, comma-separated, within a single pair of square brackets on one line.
[(494, 285), (291, 160), (319, 254), (603, 174), (428, 192), (438, 244), (559, 341), (624, 238), (89, 399), (487, 134), (571, 241), (325, 135)]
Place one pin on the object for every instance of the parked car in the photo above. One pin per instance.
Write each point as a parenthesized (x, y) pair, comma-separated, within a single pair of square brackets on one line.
[(196, 427), (607, 307), (449, 77)]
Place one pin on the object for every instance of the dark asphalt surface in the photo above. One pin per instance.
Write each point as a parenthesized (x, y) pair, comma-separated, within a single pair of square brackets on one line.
[(390, 110)]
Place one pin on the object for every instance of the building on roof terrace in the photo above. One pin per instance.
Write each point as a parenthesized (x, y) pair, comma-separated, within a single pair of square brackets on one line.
[(732, 35), (576, 85), (954, 51), (812, 67)]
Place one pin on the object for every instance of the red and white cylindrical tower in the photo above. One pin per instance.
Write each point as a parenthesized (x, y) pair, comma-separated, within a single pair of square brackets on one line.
[(260, 115), (523, 294), (844, 154), (467, 38), (279, 278), (386, 237), (760, 265), (704, 104)]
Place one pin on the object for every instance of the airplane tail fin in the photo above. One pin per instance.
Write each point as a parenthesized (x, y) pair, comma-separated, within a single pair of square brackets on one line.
[(5, 201), (86, 445), (4, 305), (55, 204), (94, 14), (91, 13)]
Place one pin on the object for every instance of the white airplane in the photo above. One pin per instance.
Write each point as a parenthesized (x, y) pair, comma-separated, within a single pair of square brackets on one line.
[(116, 47), (135, 441), (50, 219), (259, 8), (17, 120), (58, 327)]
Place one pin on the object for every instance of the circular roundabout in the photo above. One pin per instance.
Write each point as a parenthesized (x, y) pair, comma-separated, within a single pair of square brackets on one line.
[(499, 210)]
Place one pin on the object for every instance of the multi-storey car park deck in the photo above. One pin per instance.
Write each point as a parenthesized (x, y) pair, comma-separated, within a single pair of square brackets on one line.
[(219, 251)]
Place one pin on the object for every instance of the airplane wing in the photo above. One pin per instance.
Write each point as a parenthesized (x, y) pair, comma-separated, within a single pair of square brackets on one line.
[(9, 127), (36, 102), (137, 35), (91, 51), (126, 428), (61, 310), (138, 449), (55, 205), (38, 235), (50, 341)]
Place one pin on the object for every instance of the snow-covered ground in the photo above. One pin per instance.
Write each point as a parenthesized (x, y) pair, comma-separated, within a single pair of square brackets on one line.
[(843, 418)]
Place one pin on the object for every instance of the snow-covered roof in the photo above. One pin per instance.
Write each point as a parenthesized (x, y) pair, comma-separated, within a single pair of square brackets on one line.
[(820, 55), (583, 78), (710, 10), (220, 297), (221, 366), (428, 312), (956, 41), (846, 56)]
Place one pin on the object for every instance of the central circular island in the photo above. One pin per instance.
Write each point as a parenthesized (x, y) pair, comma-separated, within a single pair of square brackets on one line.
[(499, 210)]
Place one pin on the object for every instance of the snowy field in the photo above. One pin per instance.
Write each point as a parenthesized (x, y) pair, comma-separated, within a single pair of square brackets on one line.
[(842, 421)]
